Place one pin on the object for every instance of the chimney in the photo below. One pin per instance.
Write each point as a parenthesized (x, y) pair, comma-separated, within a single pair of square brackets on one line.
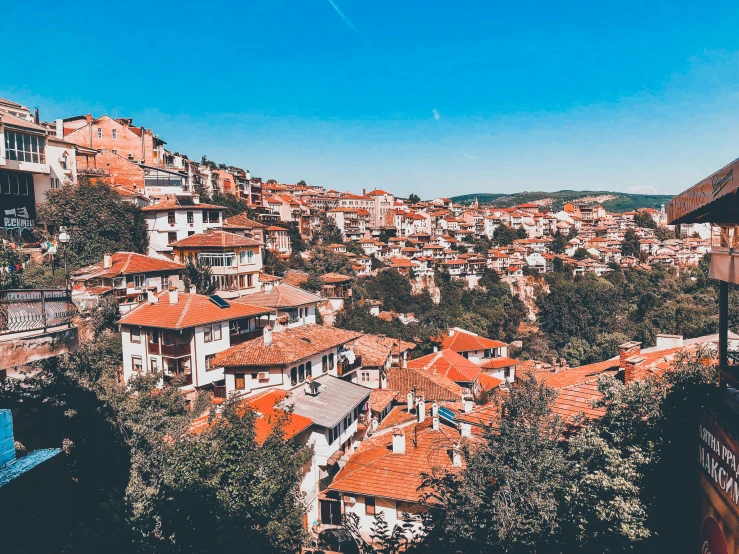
[(669, 341), (626, 350), (193, 289), (456, 455), (632, 369), (451, 331), (434, 409), (468, 402), (404, 362), (398, 441), (59, 128), (143, 143), (465, 430), (267, 336), (88, 118), (35, 116), (421, 410), (107, 261), (435, 423), (409, 396), (436, 349), (364, 192), (151, 297), (174, 296)]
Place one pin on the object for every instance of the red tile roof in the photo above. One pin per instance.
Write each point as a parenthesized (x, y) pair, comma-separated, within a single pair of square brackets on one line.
[(215, 239), (127, 263), (500, 362), (281, 296), (288, 346), (488, 382), (189, 311), (465, 341), (374, 470), (435, 387), (268, 416), (449, 364), (240, 221), (381, 398)]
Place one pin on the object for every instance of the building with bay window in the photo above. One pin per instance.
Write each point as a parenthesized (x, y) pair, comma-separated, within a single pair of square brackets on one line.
[(234, 261)]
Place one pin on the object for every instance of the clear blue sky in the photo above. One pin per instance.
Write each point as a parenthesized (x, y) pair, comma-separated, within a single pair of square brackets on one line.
[(437, 98)]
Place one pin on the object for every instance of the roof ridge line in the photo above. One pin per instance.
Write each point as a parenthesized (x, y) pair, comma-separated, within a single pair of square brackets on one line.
[(184, 310)]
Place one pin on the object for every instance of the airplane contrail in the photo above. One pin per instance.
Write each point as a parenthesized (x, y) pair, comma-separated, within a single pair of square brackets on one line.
[(349, 22)]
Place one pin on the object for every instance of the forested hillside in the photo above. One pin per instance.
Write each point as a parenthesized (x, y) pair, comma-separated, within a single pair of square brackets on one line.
[(611, 201)]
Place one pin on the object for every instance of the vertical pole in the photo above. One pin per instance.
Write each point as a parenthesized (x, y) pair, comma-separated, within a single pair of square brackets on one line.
[(43, 308), (723, 324)]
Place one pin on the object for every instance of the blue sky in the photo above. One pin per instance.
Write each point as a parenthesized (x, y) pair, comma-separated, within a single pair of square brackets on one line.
[(436, 98)]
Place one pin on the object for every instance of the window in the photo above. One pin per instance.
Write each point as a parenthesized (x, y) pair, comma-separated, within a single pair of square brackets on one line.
[(139, 280), (294, 376), (213, 217), (301, 372), (250, 280), (63, 162), (365, 377), (246, 257), (309, 369), (218, 259), (190, 233), (369, 505), (487, 353), (136, 363), (171, 237), (190, 217), (54, 183), (154, 365), (347, 421), (25, 148), (100, 132), (170, 218), (208, 360), (212, 332), (135, 334), (465, 354), (331, 361), (115, 133), (239, 381), (324, 364), (333, 434), (242, 281)]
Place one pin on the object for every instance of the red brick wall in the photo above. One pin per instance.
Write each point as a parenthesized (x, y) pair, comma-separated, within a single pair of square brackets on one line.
[(122, 172), (127, 141)]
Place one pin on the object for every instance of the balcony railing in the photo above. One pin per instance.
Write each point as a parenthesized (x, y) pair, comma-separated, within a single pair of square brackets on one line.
[(238, 338), (346, 367), (34, 310), (93, 171), (175, 350)]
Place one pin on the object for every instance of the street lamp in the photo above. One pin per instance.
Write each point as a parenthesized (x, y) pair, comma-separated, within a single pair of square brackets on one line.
[(64, 239)]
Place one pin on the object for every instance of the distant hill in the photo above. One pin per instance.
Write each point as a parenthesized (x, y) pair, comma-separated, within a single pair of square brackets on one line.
[(616, 202)]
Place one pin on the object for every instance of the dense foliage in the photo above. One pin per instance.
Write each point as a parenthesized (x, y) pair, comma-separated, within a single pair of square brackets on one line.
[(97, 219), (586, 318)]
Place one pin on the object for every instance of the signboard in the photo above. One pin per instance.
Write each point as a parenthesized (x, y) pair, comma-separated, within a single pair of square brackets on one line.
[(17, 201), (721, 183), (718, 454)]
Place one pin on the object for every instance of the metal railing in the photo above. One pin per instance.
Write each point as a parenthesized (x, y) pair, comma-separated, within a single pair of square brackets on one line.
[(93, 171), (34, 310)]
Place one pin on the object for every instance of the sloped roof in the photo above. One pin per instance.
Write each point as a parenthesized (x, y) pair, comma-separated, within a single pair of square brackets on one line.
[(375, 349), (126, 263), (335, 399), (179, 204), (435, 387), (381, 398), (500, 362), (240, 221), (373, 470), (189, 311), (281, 296), (449, 364), (215, 239), (288, 346), (466, 341)]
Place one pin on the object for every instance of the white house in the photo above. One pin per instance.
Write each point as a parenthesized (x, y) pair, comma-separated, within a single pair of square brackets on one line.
[(294, 306), (176, 218), (180, 334)]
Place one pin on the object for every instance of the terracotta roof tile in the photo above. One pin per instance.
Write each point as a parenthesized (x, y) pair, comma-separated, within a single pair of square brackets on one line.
[(465, 341), (449, 364), (435, 387), (215, 239), (189, 311), (288, 346), (500, 362), (240, 221), (126, 263), (175, 204), (281, 296)]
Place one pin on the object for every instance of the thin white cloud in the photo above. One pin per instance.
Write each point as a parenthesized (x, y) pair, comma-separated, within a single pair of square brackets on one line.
[(437, 116), (470, 156), (349, 22), (643, 189)]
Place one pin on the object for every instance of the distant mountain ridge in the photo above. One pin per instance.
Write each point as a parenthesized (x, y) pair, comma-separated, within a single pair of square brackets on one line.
[(616, 202)]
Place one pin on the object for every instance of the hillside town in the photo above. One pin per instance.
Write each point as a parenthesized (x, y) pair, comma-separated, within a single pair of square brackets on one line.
[(231, 308)]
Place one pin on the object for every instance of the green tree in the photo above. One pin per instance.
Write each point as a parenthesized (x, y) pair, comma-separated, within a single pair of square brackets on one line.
[(559, 243), (97, 219), (581, 254), (643, 219), (233, 205), (10, 268), (504, 235), (509, 498), (328, 232), (414, 198), (630, 246), (199, 276)]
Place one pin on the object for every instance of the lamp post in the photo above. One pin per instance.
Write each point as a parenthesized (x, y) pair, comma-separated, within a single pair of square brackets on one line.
[(64, 239)]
